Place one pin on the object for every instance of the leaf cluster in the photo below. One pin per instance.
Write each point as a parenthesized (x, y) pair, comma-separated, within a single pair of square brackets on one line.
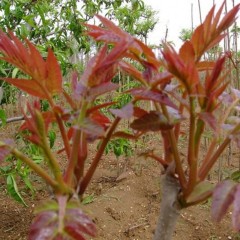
[(183, 86)]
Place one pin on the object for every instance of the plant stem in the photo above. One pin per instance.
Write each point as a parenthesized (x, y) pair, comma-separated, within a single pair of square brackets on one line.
[(73, 158), (209, 162), (63, 134), (169, 208), (60, 124), (36, 168), (181, 109), (209, 154), (173, 144), (87, 178), (192, 161), (160, 160), (199, 132), (179, 169), (55, 167), (204, 170), (76, 143)]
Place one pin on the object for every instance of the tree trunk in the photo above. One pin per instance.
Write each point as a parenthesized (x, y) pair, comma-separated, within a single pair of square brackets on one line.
[(169, 208)]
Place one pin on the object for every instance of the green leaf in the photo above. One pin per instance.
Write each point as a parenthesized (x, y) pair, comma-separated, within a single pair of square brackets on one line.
[(52, 137), (235, 176), (13, 189), (14, 72), (200, 191), (28, 183), (3, 117), (37, 158), (88, 199)]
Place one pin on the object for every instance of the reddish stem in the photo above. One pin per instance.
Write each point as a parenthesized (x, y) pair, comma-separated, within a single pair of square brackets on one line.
[(204, 170), (87, 178), (192, 161), (73, 158), (160, 160)]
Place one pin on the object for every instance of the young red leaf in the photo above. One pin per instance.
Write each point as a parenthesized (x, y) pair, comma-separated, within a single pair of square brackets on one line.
[(99, 118), (186, 52), (205, 65), (229, 18), (152, 121), (111, 26), (113, 34), (149, 54), (162, 78), (223, 196), (129, 69), (210, 82), (29, 86), (209, 33), (102, 67), (139, 112), (37, 124), (37, 59), (53, 81), (46, 74), (176, 64)]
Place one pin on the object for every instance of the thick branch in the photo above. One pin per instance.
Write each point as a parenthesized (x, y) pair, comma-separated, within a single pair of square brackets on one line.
[(169, 208)]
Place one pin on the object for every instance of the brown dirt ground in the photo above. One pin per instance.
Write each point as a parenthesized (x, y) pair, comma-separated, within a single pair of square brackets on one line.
[(124, 207)]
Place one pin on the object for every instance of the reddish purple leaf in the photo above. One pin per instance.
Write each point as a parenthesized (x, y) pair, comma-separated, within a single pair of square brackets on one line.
[(121, 134), (44, 226), (211, 81), (79, 91), (99, 106), (226, 98), (236, 209), (101, 89), (99, 118), (78, 222), (236, 93), (152, 121), (208, 118), (61, 220), (74, 233), (139, 112), (162, 78), (223, 196), (160, 97), (126, 112), (5, 148), (93, 129), (175, 116)]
